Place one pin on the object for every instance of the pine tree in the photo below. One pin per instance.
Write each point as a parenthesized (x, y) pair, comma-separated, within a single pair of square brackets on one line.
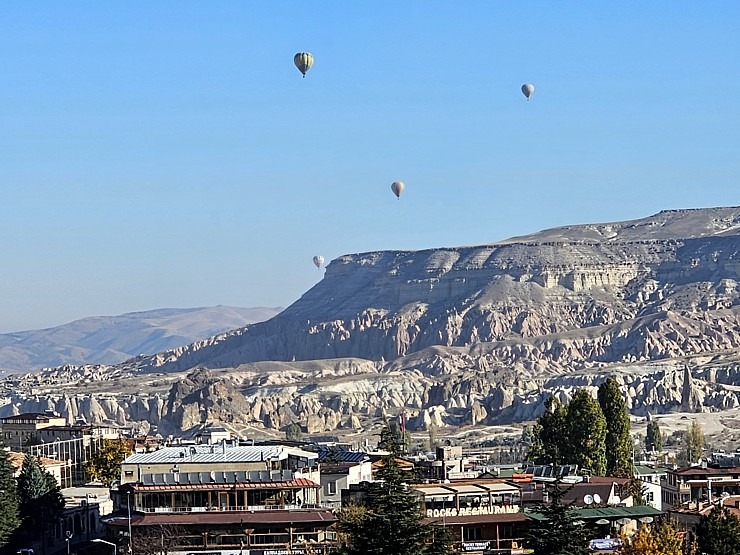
[(390, 523), (618, 440), (558, 532), (718, 533), (41, 501), (549, 443), (9, 511), (586, 433), (653, 437)]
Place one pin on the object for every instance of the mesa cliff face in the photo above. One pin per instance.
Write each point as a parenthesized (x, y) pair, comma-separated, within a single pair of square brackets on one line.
[(470, 335), (384, 305)]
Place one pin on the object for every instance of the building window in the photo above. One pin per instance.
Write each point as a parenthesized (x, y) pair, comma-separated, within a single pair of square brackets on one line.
[(331, 488), (471, 534)]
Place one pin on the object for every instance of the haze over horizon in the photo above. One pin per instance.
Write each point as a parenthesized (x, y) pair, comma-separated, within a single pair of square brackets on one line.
[(171, 155)]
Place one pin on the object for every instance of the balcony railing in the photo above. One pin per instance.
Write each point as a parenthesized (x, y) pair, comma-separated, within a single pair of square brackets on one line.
[(239, 508)]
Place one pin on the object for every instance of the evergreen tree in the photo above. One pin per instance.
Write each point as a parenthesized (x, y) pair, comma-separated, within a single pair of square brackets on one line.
[(618, 440), (41, 500), (586, 433), (693, 443), (550, 435), (390, 523), (293, 432), (9, 511), (536, 450), (105, 464), (393, 438), (653, 438), (718, 533), (558, 532)]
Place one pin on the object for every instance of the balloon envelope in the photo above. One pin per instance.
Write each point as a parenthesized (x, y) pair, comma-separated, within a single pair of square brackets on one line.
[(303, 61), (318, 261), (397, 188), (528, 89)]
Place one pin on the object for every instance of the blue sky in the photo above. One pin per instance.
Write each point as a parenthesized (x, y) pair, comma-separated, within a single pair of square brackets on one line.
[(168, 154)]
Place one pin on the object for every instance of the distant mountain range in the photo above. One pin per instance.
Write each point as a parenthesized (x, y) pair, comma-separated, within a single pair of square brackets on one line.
[(113, 339)]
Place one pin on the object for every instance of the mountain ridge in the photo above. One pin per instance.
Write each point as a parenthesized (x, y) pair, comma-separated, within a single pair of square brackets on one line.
[(114, 339)]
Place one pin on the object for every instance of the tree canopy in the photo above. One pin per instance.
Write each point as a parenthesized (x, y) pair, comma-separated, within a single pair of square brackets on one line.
[(618, 440), (390, 521), (653, 437), (548, 443), (558, 532), (40, 496), (105, 464), (586, 433), (577, 433), (693, 443), (718, 533), (9, 509), (659, 539)]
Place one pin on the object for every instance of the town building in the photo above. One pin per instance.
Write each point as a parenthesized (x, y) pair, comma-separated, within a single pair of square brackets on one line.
[(651, 478), (483, 515), (223, 499), (22, 430), (47, 435), (689, 514), (340, 470), (698, 483)]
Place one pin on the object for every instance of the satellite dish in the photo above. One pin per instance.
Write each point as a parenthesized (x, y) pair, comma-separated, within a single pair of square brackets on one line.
[(588, 499), (597, 498)]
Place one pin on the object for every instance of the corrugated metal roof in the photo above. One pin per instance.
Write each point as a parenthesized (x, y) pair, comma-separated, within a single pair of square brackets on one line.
[(217, 454), (609, 513), (342, 456)]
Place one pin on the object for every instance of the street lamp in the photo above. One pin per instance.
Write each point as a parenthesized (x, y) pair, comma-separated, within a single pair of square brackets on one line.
[(98, 540), (130, 541)]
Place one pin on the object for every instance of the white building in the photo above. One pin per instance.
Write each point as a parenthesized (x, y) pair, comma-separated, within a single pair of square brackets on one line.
[(650, 478)]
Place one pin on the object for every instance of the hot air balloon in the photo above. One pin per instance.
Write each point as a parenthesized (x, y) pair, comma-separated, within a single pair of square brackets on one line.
[(303, 61), (318, 261), (397, 188), (528, 89)]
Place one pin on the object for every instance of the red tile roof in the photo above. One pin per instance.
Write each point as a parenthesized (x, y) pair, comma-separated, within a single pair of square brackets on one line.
[(224, 518), (709, 471)]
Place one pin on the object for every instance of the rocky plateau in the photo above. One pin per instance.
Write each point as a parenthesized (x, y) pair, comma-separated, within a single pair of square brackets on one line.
[(454, 337)]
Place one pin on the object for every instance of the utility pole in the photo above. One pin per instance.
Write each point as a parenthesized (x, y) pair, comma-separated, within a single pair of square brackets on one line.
[(130, 539)]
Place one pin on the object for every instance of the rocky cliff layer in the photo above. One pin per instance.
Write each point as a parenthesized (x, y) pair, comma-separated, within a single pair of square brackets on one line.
[(457, 336), (384, 305)]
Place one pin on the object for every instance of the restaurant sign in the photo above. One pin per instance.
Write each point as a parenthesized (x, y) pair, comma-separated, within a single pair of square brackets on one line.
[(472, 511)]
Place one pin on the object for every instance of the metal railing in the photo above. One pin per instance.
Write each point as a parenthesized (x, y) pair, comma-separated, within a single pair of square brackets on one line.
[(238, 508)]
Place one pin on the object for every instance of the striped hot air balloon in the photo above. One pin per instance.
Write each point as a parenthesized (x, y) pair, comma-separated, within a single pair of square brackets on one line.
[(303, 61)]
